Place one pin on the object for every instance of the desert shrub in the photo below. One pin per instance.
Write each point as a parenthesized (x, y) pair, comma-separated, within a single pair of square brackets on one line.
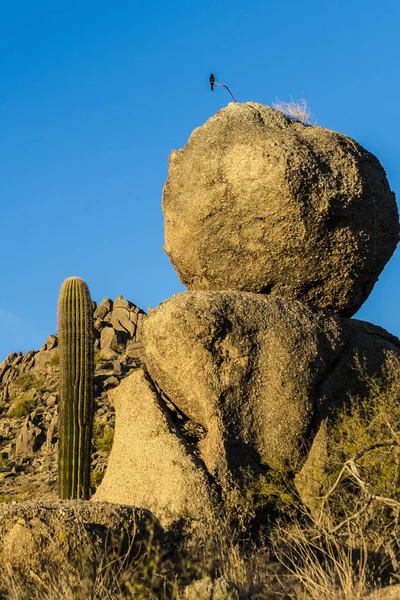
[(111, 570), (105, 442), (24, 382), (27, 381), (98, 357), (54, 360), (256, 499), (96, 477), (325, 567), (102, 440), (22, 406), (360, 502)]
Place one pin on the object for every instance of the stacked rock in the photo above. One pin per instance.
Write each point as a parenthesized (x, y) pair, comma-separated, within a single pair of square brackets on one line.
[(280, 231), (259, 203)]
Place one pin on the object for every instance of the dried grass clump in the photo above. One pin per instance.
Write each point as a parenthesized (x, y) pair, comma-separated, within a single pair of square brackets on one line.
[(325, 568), (297, 110)]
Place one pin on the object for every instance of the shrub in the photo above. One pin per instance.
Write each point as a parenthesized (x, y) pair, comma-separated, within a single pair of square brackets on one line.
[(102, 441), (27, 381), (118, 348), (360, 503), (54, 360), (105, 443), (98, 356), (96, 477), (23, 406)]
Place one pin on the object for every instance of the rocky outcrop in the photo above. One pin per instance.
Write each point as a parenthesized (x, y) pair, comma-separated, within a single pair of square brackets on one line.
[(43, 535), (150, 464), (257, 373), (245, 367), (29, 402), (260, 203), (243, 381)]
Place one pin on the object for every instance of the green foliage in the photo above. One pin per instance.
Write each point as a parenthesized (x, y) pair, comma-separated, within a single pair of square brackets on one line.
[(54, 360), (75, 323), (25, 382), (362, 487), (23, 406), (270, 492), (96, 477), (5, 498), (118, 348), (98, 357), (102, 441), (105, 443)]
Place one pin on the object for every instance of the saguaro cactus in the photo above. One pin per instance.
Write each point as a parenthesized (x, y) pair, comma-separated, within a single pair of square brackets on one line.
[(75, 331)]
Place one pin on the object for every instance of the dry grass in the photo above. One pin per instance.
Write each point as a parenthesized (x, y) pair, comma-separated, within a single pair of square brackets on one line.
[(325, 568), (299, 563), (294, 109)]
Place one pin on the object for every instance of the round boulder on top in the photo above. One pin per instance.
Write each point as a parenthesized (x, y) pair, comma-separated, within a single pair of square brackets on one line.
[(257, 202)]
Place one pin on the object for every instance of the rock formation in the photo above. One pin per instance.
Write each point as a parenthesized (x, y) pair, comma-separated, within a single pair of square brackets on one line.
[(260, 203), (257, 373), (38, 535), (280, 231), (29, 402)]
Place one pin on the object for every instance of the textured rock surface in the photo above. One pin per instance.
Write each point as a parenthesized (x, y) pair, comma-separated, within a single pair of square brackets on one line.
[(257, 373), (42, 533), (207, 589), (150, 464), (259, 203)]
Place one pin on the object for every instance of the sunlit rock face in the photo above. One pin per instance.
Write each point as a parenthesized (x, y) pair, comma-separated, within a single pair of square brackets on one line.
[(260, 203)]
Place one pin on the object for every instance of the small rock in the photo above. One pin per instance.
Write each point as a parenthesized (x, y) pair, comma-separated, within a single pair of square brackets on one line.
[(110, 382), (52, 432), (109, 354), (134, 349), (51, 342), (119, 302), (110, 337), (51, 400), (104, 307), (30, 439)]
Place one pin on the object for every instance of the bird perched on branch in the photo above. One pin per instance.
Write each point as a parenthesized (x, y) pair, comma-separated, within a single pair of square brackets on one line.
[(212, 81)]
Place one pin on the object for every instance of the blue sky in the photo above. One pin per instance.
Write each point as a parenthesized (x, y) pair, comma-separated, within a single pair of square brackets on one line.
[(94, 96)]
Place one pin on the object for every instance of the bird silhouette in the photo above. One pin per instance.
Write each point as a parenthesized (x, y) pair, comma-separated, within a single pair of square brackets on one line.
[(212, 81)]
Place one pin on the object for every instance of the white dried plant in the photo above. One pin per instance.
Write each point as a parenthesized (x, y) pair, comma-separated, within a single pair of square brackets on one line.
[(294, 109)]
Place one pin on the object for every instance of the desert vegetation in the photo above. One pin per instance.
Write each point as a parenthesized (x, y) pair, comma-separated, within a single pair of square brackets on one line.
[(346, 547)]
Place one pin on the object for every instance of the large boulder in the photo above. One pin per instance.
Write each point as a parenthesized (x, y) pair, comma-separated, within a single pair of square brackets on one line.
[(45, 535), (261, 203), (257, 373), (150, 464)]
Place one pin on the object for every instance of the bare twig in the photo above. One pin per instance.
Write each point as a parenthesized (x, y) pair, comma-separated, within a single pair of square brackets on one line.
[(351, 468), (226, 87)]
